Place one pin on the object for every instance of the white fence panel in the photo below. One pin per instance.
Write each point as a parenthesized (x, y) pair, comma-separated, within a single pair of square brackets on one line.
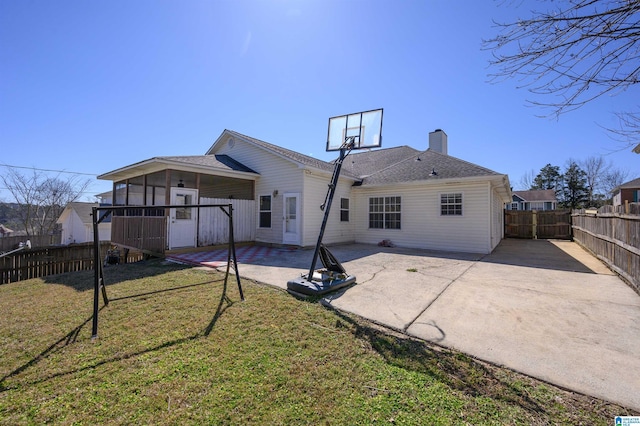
[(214, 223)]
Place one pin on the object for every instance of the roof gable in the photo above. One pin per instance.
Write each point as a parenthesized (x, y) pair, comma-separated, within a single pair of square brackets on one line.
[(287, 154), (83, 210)]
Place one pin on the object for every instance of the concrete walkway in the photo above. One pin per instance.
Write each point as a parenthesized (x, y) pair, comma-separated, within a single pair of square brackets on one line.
[(548, 309)]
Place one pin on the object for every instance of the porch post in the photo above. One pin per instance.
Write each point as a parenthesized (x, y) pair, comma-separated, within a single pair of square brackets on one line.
[(126, 192), (198, 210), (167, 190), (144, 193)]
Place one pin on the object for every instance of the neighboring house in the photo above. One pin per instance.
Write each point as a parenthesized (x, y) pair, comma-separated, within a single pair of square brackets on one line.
[(627, 193), (413, 198), (535, 199), (4, 231), (77, 224), (105, 198)]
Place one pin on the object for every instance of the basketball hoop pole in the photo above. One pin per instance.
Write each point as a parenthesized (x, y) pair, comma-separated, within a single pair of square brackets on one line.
[(361, 130), (345, 149)]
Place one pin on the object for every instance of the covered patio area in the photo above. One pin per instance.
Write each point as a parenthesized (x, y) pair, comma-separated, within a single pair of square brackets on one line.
[(176, 182)]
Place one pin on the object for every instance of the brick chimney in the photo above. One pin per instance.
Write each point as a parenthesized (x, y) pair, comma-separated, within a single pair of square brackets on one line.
[(438, 141)]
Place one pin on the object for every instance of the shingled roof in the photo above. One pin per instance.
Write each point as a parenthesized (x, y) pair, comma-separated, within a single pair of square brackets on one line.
[(364, 163), (215, 161), (536, 195), (386, 166), (635, 183), (426, 166)]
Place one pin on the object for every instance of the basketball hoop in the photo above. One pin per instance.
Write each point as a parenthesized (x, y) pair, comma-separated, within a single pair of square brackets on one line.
[(362, 130)]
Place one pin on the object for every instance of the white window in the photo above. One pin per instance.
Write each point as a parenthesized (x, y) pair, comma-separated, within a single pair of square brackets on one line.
[(344, 210), (265, 211), (384, 212), (451, 204)]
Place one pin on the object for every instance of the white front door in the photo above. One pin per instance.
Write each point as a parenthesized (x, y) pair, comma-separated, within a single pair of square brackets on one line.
[(291, 226), (183, 221)]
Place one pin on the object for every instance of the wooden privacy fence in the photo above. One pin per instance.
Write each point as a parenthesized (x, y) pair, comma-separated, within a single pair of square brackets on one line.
[(537, 224), (145, 233), (613, 235), (40, 262), (10, 243)]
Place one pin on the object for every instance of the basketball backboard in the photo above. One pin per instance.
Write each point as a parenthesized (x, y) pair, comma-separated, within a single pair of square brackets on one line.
[(364, 128)]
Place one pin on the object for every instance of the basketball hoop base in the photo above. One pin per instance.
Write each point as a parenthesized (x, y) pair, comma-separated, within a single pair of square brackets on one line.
[(323, 282)]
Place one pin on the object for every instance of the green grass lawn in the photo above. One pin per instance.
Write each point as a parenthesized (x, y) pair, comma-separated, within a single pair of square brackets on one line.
[(177, 347)]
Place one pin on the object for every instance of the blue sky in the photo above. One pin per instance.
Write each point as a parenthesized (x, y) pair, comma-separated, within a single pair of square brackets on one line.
[(91, 86)]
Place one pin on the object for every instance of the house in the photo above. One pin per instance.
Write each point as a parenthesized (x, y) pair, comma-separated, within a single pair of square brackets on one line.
[(627, 193), (535, 199), (413, 198), (4, 231), (77, 224)]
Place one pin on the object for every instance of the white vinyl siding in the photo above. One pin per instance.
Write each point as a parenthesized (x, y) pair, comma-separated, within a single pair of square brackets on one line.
[(496, 218), (276, 173), (422, 224), (316, 185)]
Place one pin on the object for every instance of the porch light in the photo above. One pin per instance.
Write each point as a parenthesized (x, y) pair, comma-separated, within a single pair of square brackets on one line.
[(180, 184), (275, 193)]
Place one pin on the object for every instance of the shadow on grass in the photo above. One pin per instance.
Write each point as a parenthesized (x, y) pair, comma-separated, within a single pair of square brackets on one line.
[(65, 340), (454, 369), (114, 274), (71, 337)]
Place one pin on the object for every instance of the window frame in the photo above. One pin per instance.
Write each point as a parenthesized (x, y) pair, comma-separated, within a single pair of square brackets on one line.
[(450, 208), (344, 211), (387, 212), (264, 212)]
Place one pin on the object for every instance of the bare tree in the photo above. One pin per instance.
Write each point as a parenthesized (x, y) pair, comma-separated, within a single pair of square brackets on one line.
[(573, 53), (613, 179), (41, 198), (595, 169), (526, 180)]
